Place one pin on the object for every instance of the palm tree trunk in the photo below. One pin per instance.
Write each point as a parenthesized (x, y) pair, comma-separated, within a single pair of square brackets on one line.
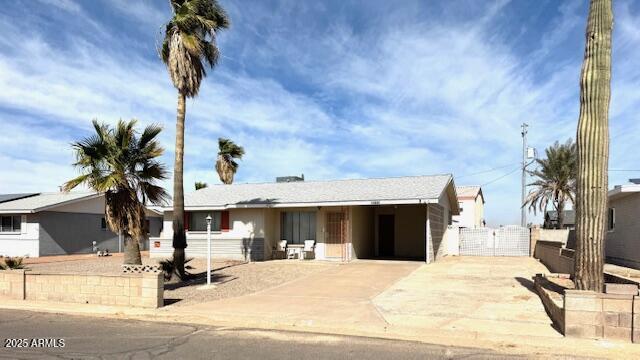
[(132, 251), (179, 237), (593, 148), (560, 210)]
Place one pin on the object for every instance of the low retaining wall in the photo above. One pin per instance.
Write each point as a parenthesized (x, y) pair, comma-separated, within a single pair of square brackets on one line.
[(552, 299), (613, 315), (556, 258), (137, 290), (596, 315)]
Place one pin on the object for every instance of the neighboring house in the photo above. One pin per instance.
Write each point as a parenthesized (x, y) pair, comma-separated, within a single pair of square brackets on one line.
[(41, 224), (622, 245), (471, 203), (551, 220), (403, 217)]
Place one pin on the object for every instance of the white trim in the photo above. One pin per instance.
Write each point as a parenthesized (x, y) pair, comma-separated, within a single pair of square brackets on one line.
[(50, 206), (310, 204)]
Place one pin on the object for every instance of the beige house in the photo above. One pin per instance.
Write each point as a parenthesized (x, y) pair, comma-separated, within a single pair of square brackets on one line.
[(471, 204), (622, 245), (403, 218)]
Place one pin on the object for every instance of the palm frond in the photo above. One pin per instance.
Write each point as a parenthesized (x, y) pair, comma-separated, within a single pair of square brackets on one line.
[(190, 41)]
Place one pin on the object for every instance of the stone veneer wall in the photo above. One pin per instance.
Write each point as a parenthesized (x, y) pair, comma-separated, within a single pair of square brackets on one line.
[(137, 290)]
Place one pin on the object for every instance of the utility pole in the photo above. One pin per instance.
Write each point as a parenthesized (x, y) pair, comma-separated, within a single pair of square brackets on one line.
[(523, 214)]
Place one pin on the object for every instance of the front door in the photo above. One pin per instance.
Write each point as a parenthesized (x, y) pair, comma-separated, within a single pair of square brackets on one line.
[(335, 235), (386, 230)]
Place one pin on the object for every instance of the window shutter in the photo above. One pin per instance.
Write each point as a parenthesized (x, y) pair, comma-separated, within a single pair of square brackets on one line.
[(186, 221), (224, 221)]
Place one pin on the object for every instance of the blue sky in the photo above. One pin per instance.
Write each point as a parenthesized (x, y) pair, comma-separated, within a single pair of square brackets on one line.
[(331, 89)]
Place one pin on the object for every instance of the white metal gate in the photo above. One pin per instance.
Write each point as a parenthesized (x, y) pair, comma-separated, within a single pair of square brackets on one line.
[(505, 241)]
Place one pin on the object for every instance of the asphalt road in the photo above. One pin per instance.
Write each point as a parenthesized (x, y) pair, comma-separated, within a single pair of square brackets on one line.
[(100, 338)]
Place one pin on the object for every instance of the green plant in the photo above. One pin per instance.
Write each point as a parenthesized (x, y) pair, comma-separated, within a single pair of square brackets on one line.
[(189, 43), (12, 262), (226, 164), (169, 269), (555, 181), (593, 148), (200, 185), (122, 164)]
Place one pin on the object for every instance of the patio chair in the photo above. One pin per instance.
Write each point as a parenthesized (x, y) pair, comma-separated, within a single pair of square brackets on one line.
[(309, 249), (280, 251)]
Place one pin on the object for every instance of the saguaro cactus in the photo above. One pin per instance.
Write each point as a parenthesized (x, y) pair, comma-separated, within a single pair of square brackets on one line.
[(593, 148)]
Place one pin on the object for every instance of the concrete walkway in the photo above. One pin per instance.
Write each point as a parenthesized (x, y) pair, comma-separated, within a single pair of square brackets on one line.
[(492, 295)]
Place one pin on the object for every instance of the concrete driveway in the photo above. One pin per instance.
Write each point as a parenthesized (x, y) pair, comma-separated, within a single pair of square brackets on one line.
[(482, 295), (341, 294), (471, 295)]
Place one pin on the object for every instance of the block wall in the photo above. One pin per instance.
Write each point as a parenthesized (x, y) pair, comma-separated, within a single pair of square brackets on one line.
[(136, 290)]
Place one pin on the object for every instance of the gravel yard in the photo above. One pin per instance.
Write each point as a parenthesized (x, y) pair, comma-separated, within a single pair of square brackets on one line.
[(232, 278)]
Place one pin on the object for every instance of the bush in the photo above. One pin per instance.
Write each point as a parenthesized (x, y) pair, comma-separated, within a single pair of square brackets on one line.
[(169, 268), (12, 263)]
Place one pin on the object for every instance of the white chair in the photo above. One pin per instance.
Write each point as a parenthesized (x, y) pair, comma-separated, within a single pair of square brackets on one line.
[(281, 249), (309, 249)]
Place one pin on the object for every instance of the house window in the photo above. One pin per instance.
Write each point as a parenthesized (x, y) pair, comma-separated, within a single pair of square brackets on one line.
[(611, 223), (103, 224), (297, 226), (10, 223), (198, 220)]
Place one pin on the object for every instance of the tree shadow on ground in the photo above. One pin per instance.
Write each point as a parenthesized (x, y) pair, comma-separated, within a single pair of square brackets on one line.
[(199, 279), (527, 283)]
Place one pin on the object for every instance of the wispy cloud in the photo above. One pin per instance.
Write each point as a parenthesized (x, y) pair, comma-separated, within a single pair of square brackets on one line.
[(376, 91)]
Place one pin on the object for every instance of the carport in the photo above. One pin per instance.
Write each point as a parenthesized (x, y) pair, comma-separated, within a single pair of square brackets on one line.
[(398, 231)]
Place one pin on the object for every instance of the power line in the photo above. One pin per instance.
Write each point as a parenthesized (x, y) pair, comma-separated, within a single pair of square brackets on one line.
[(623, 170), (502, 176), (487, 171)]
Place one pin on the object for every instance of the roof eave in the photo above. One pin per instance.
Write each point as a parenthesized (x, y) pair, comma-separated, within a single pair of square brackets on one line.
[(311, 204)]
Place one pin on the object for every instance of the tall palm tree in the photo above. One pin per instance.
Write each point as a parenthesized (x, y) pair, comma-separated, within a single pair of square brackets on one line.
[(121, 164), (226, 164), (593, 148), (556, 179), (189, 43)]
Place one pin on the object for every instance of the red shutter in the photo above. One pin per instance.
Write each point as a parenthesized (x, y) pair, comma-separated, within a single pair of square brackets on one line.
[(186, 221), (224, 221)]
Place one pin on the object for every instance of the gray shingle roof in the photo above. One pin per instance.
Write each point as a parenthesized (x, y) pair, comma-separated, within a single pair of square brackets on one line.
[(9, 197), (468, 190), (569, 216), (41, 201), (326, 192)]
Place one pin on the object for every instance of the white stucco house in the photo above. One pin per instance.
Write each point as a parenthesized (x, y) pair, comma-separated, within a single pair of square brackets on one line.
[(41, 224), (471, 204), (622, 244), (402, 217)]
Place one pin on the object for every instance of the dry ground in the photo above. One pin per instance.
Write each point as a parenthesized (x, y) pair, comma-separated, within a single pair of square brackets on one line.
[(232, 278)]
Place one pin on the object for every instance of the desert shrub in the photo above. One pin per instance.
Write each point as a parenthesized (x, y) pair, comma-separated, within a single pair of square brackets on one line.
[(169, 269)]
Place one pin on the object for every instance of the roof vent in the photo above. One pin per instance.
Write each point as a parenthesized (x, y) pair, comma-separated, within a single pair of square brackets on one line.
[(283, 179), (635, 181)]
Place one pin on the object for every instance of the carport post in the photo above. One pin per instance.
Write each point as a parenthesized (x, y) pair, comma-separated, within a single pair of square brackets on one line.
[(427, 238)]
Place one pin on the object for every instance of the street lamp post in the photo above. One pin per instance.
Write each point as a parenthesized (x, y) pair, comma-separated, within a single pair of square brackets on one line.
[(208, 250)]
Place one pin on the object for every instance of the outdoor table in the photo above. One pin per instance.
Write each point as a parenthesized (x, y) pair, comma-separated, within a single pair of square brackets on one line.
[(295, 249)]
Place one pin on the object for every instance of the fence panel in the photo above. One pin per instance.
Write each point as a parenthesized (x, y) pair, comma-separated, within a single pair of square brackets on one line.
[(505, 241)]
